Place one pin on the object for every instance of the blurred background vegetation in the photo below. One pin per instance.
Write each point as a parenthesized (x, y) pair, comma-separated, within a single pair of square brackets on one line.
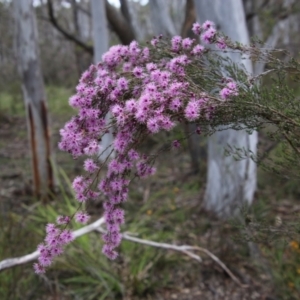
[(166, 208)]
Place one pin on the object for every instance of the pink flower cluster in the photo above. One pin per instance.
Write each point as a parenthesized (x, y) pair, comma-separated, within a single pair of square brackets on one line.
[(207, 31), (55, 240), (209, 34), (145, 92), (230, 90)]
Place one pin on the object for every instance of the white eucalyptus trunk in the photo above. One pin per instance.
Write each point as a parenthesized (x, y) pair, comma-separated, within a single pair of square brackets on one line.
[(82, 29), (27, 52), (101, 44), (230, 184), (177, 11), (84, 20), (141, 23), (251, 8), (162, 22)]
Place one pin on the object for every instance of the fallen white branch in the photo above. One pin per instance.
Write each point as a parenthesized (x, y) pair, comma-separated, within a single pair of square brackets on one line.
[(182, 248), (10, 262), (186, 249)]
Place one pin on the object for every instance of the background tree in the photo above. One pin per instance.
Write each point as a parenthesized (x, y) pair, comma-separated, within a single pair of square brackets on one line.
[(230, 183), (165, 22), (82, 29), (161, 19), (34, 96), (101, 43)]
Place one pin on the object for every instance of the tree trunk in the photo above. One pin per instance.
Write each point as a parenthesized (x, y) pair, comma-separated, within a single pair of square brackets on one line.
[(80, 20), (34, 95), (196, 152), (163, 24), (101, 44), (161, 19), (230, 184)]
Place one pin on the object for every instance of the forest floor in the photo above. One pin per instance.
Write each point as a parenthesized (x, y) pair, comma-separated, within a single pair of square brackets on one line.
[(166, 208)]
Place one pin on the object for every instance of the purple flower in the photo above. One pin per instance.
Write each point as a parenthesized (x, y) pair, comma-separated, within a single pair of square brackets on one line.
[(133, 155), (176, 144), (152, 125), (197, 50), (221, 44), (196, 28), (230, 90), (66, 236), (187, 43), (109, 252), (225, 93), (44, 261), (90, 166), (208, 25), (175, 104), (92, 148), (192, 111), (38, 269), (208, 36), (122, 84), (61, 220), (118, 215), (154, 42), (82, 217), (138, 72), (176, 43)]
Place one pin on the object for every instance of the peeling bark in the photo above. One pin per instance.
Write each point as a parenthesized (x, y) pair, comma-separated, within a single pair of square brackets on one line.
[(34, 96)]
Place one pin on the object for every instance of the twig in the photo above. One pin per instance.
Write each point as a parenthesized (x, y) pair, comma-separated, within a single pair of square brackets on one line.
[(262, 74), (222, 265), (186, 249), (291, 143), (119, 24), (65, 33)]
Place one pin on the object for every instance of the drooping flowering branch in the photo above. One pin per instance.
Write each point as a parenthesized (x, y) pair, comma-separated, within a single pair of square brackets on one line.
[(146, 90)]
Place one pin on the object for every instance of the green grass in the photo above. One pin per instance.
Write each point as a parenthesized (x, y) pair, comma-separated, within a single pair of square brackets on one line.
[(12, 103), (58, 100)]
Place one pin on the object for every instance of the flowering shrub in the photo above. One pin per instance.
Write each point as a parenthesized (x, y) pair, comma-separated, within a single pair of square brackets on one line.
[(146, 90)]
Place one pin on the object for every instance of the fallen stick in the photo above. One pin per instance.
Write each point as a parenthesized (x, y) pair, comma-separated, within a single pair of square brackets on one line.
[(186, 249)]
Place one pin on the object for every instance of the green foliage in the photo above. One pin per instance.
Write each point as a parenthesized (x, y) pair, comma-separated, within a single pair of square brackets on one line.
[(57, 101), (11, 103), (267, 102)]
